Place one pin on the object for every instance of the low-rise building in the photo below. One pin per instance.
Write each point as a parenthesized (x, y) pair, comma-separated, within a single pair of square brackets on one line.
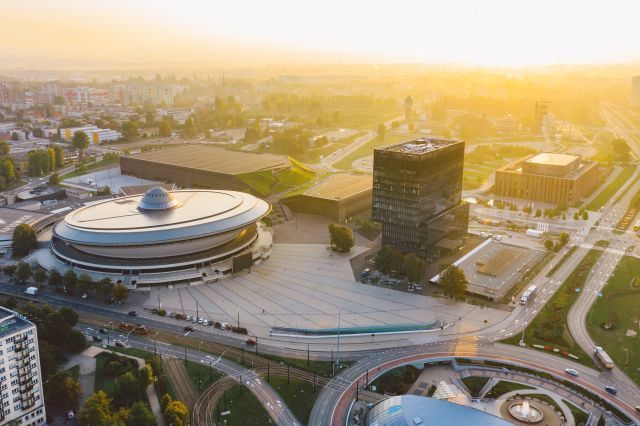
[(96, 135)]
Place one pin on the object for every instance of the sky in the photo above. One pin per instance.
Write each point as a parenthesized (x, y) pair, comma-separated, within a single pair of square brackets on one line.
[(472, 32)]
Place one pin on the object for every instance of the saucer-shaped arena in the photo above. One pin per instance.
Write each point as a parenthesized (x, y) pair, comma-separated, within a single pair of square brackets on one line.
[(161, 237)]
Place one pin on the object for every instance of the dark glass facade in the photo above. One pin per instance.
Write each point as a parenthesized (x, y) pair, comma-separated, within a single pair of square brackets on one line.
[(417, 190)]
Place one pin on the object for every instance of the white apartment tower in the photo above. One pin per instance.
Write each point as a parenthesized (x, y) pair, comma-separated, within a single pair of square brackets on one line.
[(21, 397)]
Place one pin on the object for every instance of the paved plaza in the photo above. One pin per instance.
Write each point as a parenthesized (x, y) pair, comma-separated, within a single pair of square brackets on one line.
[(305, 285)]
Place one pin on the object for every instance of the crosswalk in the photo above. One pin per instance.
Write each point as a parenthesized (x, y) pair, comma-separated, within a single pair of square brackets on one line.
[(611, 250)]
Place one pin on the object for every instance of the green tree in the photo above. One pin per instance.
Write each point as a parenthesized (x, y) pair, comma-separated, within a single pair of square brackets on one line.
[(538, 213), (576, 216), (75, 341), (165, 401), (104, 287), (176, 413), (54, 179), (388, 260), (585, 215), (39, 276), (96, 411), (189, 128), (68, 316), (23, 271), (51, 155), (341, 238), (62, 391), (80, 141), (24, 239), (414, 267), (120, 293), (55, 279), (620, 150), (59, 156), (141, 415), (548, 244), (164, 128), (127, 389), (9, 270), (453, 282), (130, 130), (8, 171), (70, 281), (145, 376), (85, 283), (563, 238), (5, 148), (381, 132)]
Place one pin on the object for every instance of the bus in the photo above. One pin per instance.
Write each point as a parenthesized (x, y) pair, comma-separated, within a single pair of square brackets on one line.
[(528, 295)]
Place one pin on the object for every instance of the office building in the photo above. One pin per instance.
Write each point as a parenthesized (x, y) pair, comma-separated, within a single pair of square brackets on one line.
[(635, 91), (558, 179), (417, 188), (21, 397)]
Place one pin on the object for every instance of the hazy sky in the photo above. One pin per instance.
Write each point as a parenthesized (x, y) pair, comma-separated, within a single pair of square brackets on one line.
[(478, 32)]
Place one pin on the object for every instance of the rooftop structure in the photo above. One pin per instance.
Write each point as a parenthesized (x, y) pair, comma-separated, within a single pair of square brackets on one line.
[(11, 217), (421, 145), (412, 410), (160, 232), (338, 196)]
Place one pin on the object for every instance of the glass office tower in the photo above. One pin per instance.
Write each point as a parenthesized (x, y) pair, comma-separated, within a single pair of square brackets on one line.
[(417, 189)]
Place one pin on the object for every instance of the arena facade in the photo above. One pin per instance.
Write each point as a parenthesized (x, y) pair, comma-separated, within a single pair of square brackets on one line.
[(162, 237)]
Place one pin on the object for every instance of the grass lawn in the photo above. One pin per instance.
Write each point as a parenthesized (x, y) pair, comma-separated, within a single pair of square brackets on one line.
[(619, 306), (504, 386), (297, 394), (606, 194), (579, 416), (546, 398), (201, 375), (397, 381), (244, 407), (367, 149), (549, 327), (105, 382), (475, 174), (475, 384), (261, 181), (321, 368), (90, 167)]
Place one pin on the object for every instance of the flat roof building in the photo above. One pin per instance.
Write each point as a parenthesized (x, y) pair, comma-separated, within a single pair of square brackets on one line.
[(338, 197), (21, 397), (417, 189), (12, 217), (199, 166), (552, 178)]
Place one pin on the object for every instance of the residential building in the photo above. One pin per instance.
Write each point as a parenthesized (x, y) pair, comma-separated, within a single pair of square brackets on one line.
[(32, 99), (21, 397), (635, 91), (96, 135), (417, 188), (7, 94), (179, 115), (85, 96), (558, 179), (143, 93)]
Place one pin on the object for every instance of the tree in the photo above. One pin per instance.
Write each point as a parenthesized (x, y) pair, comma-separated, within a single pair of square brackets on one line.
[(39, 276), (620, 150), (165, 401), (538, 213), (96, 411), (80, 141), (453, 282), (51, 154), (55, 279), (120, 293), (85, 283), (104, 287), (127, 389), (341, 238), (145, 376), (576, 216), (141, 415), (548, 244), (585, 215), (130, 130), (54, 179), (23, 271), (414, 267), (75, 341), (381, 131), (176, 413), (63, 391), (15, 137), (189, 128), (10, 303), (164, 128), (68, 316), (563, 238), (5, 148), (388, 260), (24, 239), (70, 281), (9, 270), (59, 156), (8, 171)]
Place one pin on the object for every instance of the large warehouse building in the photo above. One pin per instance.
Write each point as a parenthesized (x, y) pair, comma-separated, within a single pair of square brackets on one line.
[(559, 179), (161, 237), (200, 166), (337, 197)]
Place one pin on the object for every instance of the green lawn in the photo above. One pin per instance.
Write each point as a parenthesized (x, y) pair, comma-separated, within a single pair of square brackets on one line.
[(103, 381), (504, 386), (475, 384), (397, 381), (579, 416), (321, 368), (549, 327), (244, 407), (201, 375), (606, 194), (546, 398), (367, 149), (619, 306), (260, 181), (297, 394), (90, 167)]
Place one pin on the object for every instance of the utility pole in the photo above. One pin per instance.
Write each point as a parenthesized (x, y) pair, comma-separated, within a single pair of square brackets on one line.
[(242, 349), (366, 384), (238, 318), (268, 373), (339, 324), (307, 354), (287, 373)]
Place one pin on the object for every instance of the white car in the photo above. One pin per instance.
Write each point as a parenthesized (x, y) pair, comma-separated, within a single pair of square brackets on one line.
[(571, 372)]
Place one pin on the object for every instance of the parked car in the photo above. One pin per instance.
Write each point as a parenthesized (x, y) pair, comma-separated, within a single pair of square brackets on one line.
[(188, 318), (611, 390), (97, 338), (167, 314), (172, 315), (133, 313), (200, 321), (103, 331), (571, 372), (119, 343), (194, 320), (189, 328), (205, 322), (71, 415)]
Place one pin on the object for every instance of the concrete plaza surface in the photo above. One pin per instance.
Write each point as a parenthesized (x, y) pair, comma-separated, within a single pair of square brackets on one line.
[(305, 285)]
